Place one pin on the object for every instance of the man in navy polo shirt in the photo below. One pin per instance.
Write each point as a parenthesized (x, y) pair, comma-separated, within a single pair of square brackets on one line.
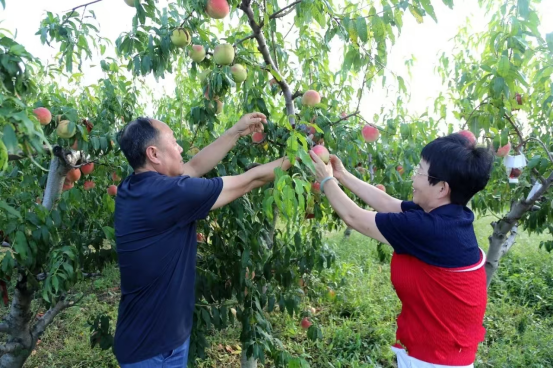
[(437, 266), (156, 210)]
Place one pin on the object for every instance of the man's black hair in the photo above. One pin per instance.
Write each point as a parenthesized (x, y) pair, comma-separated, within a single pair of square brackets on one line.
[(460, 163), (134, 138)]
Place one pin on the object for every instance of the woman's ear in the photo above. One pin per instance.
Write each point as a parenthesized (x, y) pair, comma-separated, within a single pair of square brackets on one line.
[(445, 190)]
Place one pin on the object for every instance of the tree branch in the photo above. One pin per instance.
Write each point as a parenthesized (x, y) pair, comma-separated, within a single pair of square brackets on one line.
[(21, 155), (245, 6), (279, 14), (10, 347), (297, 94), (49, 316)]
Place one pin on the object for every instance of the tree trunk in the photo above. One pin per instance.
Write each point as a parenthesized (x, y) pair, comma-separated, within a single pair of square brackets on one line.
[(247, 363), (18, 323), (21, 335), (497, 251), (499, 244)]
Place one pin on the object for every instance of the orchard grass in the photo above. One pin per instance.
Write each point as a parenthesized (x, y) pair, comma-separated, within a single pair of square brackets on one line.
[(357, 322)]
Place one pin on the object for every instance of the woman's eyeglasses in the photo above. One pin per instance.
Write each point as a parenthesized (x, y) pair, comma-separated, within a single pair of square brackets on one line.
[(416, 171)]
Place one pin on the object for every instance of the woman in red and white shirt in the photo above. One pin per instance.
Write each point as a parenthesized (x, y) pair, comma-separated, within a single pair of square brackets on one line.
[(437, 267)]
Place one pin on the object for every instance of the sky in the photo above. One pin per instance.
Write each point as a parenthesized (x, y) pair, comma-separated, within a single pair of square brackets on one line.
[(424, 42)]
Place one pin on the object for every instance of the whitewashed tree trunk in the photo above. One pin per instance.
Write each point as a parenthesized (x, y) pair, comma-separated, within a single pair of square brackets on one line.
[(20, 334), (247, 363)]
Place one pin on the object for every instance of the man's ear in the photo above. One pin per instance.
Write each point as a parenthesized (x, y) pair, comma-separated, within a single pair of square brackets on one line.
[(152, 153)]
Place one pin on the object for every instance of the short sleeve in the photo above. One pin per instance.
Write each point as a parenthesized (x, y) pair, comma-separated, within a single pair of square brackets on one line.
[(192, 198), (410, 232), (409, 205)]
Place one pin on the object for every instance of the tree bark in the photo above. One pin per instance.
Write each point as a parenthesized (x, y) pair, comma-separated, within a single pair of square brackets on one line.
[(498, 240), (18, 323)]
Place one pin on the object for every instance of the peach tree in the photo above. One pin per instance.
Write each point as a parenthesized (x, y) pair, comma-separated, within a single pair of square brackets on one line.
[(503, 93), (255, 255)]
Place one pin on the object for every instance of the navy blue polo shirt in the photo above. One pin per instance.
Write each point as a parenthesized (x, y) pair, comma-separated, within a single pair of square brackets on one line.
[(443, 237), (155, 229)]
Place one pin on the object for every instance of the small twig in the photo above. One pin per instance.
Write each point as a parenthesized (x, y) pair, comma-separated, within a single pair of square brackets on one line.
[(540, 177), (517, 130), (542, 145), (195, 134), (279, 14), (77, 7), (290, 30), (244, 39), (187, 18), (362, 87), (476, 108), (346, 117), (276, 143)]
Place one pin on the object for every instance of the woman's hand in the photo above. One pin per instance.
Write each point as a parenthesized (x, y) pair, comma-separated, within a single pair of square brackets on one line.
[(322, 170), (337, 167)]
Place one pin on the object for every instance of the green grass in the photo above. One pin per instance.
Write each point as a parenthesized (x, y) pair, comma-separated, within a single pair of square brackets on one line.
[(358, 324)]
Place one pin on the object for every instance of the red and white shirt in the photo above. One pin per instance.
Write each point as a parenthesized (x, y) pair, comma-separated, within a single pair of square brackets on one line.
[(438, 273)]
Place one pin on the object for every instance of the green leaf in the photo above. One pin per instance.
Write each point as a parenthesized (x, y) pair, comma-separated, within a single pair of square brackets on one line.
[(109, 232), (503, 66), (206, 318), (448, 3), (533, 162), (10, 210), (9, 138), (497, 85), (362, 31), (415, 12), (548, 38), (523, 8), (21, 247), (401, 84), (245, 258), (429, 9)]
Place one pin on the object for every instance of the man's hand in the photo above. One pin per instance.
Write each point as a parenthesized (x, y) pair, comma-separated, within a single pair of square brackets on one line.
[(249, 123), (337, 167)]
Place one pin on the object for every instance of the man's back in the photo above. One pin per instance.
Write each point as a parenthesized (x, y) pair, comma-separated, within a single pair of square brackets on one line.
[(155, 230)]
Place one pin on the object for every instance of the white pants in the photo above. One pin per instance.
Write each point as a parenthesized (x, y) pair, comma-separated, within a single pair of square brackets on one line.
[(406, 361)]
